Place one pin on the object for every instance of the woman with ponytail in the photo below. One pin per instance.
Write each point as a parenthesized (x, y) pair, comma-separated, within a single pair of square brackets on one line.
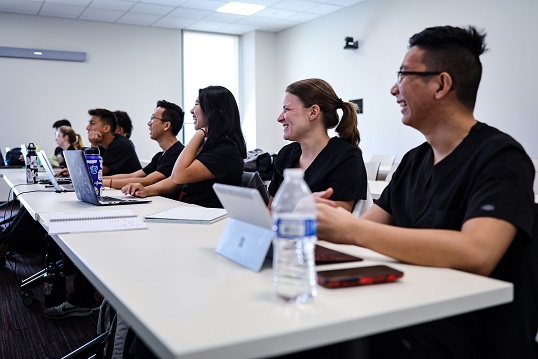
[(67, 139), (309, 110)]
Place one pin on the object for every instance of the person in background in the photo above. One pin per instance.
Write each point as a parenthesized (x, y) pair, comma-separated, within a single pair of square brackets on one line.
[(67, 139), (213, 155), (164, 125), (462, 200), (54, 159), (309, 110), (124, 126), (117, 151)]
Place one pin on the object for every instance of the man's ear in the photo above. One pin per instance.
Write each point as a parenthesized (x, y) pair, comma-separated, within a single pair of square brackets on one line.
[(167, 126), (444, 85)]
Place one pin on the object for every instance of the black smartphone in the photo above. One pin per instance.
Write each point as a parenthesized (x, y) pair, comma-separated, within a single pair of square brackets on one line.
[(351, 277)]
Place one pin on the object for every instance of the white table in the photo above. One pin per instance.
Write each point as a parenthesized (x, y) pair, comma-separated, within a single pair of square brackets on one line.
[(186, 301)]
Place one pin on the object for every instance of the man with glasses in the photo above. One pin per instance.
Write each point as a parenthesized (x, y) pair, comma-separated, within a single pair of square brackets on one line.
[(463, 200), (118, 153), (164, 125)]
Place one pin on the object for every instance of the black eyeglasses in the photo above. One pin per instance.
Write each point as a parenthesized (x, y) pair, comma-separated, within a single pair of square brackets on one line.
[(401, 74), (152, 118)]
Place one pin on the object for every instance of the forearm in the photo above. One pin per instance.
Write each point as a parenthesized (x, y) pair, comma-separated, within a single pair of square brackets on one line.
[(470, 251), (164, 187), (187, 157)]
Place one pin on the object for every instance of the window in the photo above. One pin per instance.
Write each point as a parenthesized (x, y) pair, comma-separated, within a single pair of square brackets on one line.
[(208, 59)]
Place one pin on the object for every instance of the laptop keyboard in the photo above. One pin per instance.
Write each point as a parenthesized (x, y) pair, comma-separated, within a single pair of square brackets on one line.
[(106, 199)]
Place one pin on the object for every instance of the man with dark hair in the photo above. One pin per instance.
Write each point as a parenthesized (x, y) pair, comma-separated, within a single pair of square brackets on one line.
[(164, 125), (118, 153), (63, 122), (463, 200), (124, 126), (58, 150)]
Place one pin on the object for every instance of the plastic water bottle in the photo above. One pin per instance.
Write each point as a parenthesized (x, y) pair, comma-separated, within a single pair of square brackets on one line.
[(294, 224), (95, 164), (31, 164)]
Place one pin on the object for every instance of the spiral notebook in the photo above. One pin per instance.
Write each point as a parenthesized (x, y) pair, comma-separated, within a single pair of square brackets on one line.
[(93, 221)]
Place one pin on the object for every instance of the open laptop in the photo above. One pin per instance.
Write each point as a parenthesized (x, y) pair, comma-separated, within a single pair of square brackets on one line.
[(64, 187), (248, 235), (82, 181)]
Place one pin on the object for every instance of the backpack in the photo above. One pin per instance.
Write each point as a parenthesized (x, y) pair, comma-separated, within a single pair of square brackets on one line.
[(13, 157), (260, 161)]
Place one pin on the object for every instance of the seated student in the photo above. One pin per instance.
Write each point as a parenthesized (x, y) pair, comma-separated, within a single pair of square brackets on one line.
[(309, 109), (213, 155), (124, 126), (117, 151), (54, 160), (463, 200), (164, 125), (67, 139), (81, 300)]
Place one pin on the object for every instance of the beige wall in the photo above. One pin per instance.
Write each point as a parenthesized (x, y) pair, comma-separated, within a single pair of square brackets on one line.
[(128, 68)]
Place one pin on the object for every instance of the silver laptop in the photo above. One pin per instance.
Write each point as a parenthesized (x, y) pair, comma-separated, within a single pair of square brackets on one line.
[(83, 183), (248, 234), (67, 187)]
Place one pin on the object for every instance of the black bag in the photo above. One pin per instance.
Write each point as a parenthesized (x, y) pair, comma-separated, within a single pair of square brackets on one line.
[(261, 161), (24, 234), (13, 157)]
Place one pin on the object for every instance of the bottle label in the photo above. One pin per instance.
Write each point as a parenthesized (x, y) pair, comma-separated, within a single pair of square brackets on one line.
[(294, 228)]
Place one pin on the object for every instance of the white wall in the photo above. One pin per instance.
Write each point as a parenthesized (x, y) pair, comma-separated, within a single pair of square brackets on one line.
[(507, 94), (128, 68), (131, 67)]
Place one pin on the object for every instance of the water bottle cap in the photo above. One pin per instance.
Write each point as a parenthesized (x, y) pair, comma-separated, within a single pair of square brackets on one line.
[(293, 172), (31, 147), (91, 150)]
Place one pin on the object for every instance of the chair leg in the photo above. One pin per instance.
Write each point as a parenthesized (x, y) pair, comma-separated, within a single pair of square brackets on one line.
[(89, 349)]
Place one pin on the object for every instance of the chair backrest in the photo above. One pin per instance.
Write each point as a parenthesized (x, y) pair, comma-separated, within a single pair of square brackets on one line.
[(386, 160), (362, 205), (372, 169), (254, 180), (391, 172)]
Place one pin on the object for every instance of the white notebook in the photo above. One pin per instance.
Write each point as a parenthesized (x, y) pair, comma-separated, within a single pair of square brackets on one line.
[(94, 221), (189, 214)]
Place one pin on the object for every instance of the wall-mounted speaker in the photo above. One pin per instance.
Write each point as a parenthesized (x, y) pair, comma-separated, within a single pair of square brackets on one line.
[(22, 53)]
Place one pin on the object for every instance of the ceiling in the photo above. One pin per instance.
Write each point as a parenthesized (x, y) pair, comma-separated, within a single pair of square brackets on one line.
[(199, 15)]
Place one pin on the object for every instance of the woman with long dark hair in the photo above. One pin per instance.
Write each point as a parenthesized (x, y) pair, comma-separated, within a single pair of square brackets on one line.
[(214, 154)]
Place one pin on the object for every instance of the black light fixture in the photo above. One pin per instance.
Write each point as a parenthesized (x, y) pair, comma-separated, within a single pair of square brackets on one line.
[(350, 44)]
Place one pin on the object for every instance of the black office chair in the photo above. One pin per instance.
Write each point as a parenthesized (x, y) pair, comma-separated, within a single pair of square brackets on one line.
[(253, 180)]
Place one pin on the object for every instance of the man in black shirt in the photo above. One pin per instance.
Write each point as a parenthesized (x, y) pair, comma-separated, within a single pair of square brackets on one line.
[(463, 200), (118, 153), (164, 125)]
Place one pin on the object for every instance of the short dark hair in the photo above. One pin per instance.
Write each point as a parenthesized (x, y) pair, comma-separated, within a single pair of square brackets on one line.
[(60, 123), (107, 117), (454, 50), (124, 121), (173, 114)]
